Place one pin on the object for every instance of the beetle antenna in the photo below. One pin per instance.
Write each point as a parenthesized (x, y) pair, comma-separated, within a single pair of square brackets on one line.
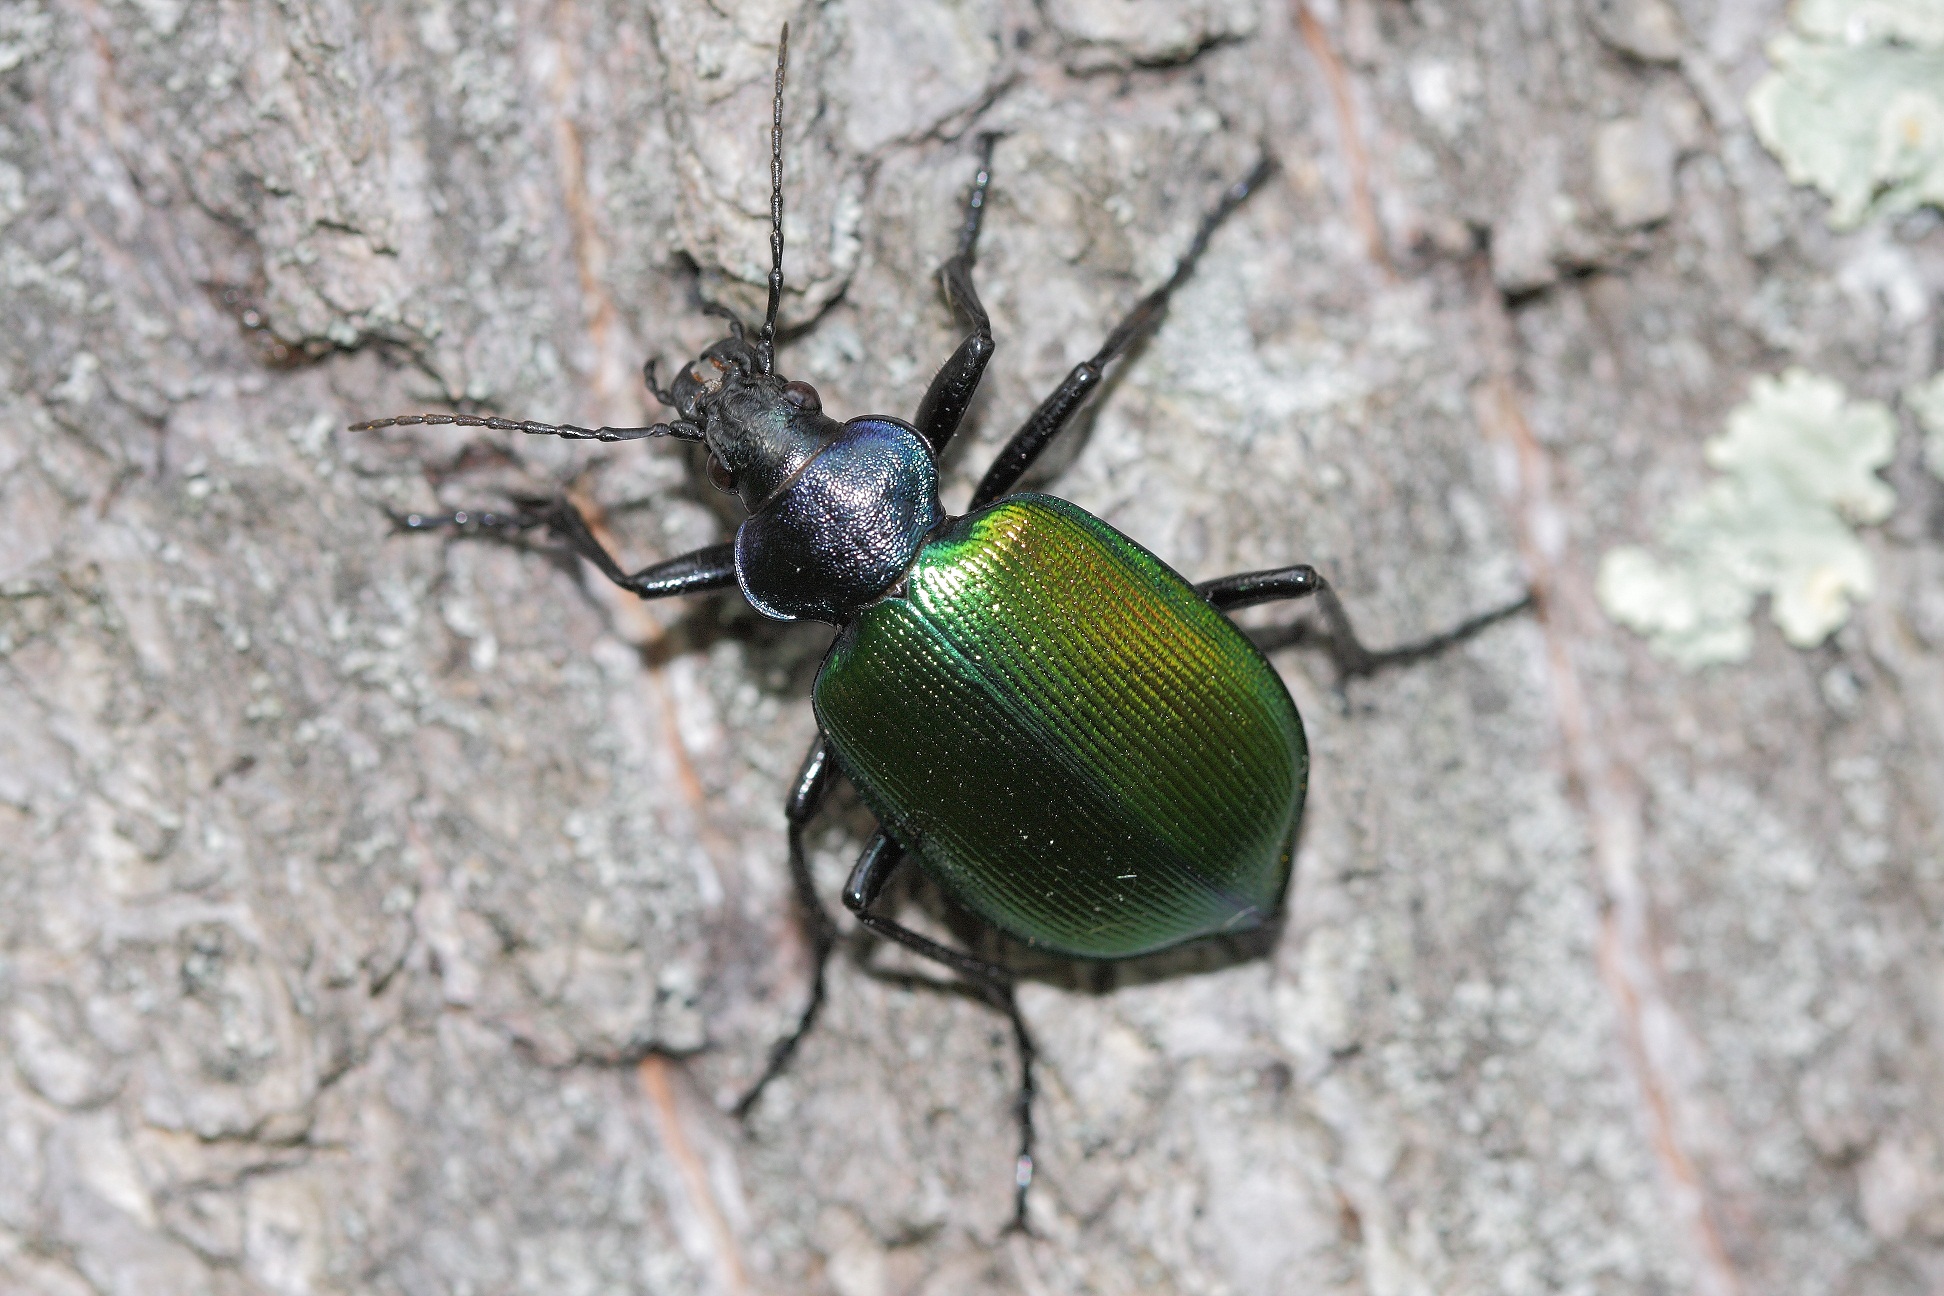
[(680, 430), (766, 340)]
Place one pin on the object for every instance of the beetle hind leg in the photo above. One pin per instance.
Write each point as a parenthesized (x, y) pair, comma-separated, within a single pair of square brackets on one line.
[(1350, 655), (806, 798), (875, 866)]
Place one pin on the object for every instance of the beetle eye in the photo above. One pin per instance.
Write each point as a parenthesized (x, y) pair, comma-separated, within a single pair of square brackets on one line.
[(719, 475), (803, 396)]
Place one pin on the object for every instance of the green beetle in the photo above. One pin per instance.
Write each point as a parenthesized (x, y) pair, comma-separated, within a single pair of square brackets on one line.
[(1071, 738)]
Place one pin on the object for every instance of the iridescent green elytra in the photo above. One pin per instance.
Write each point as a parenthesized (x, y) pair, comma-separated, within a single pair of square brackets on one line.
[(1068, 737)]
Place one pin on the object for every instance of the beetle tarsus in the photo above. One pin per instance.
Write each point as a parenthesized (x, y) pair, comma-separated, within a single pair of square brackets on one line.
[(1058, 409), (992, 981), (1352, 658), (468, 519), (710, 568), (995, 984), (1023, 1165)]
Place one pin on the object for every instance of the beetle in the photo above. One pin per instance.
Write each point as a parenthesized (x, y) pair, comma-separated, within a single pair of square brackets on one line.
[(1069, 736)]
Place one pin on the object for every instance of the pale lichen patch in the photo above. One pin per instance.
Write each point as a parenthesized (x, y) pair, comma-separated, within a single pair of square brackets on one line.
[(1799, 464), (1855, 105), (1918, 22)]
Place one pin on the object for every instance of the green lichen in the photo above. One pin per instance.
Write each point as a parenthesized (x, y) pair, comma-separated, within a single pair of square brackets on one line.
[(1799, 468), (1855, 105), (1926, 401)]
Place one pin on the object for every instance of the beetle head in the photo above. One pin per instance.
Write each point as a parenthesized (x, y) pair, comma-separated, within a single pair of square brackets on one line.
[(760, 429)]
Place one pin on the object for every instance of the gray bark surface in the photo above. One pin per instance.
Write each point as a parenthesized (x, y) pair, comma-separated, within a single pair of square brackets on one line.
[(394, 914)]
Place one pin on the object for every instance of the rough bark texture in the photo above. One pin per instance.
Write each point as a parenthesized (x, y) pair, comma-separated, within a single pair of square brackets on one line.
[(393, 914)]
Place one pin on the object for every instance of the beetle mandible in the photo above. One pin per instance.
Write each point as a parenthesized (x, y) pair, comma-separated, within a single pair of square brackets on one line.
[(1066, 734)]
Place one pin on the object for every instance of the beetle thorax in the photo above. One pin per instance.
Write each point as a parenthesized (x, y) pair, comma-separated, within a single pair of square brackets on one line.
[(838, 511), (845, 528)]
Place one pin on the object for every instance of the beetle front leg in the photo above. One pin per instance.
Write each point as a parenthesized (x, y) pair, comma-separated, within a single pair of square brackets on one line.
[(806, 798), (875, 866), (1347, 652), (1058, 409), (951, 391), (710, 568), (697, 572)]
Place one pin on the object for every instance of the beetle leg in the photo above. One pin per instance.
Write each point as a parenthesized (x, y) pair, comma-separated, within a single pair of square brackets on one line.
[(951, 390), (880, 859), (1053, 414), (1347, 652), (467, 519), (696, 572), (806, 797), (710, 568), (1246, 589)]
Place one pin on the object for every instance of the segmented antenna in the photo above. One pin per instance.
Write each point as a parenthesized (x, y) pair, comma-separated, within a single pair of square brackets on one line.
[(766, 340), (679, 430)]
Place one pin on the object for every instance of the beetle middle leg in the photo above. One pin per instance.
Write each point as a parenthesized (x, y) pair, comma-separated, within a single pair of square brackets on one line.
[(1054, 413), (875, 866), (1347, 652)]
